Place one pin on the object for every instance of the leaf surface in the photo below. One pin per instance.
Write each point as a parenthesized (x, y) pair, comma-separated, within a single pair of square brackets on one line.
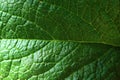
[(57, 60), (59, 40), (95, 21)]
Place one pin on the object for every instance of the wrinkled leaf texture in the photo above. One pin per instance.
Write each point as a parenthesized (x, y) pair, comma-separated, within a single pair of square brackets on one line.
[(59, 39)]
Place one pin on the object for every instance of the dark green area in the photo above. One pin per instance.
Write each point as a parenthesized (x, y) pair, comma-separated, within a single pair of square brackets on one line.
[(94, 21), (59, 39)]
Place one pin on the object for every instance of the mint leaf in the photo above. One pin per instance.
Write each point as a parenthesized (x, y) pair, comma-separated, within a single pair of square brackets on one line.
[(59, 40), (89, 21), (55, 60)]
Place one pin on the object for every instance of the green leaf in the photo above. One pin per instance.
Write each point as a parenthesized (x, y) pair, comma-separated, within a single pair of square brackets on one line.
[(57, 60), (59, 39), (93, 21)]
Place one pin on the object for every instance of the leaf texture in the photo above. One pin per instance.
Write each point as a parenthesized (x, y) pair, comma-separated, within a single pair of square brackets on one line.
[(78, 20), (57, 60), (59, 39)]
